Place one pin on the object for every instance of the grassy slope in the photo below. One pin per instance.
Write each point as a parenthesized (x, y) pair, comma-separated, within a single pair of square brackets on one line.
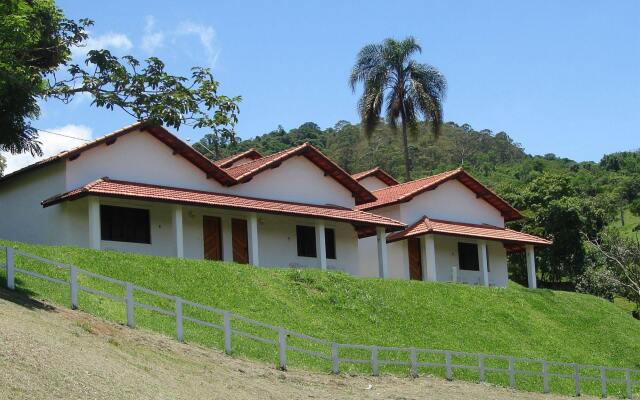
[(516, 321), (44, 356), (630, 222)]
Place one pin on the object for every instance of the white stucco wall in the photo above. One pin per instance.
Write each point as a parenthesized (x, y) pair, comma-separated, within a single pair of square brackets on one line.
[(138, 157), (447, 257), (296, 179), (397, 254), (22, 218), (277, 234), (372, 183), (368, 250), (278, 244), (162, 237), (451, 201)]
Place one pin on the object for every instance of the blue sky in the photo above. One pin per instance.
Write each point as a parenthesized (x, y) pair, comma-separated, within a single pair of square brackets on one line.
[(558, 76)]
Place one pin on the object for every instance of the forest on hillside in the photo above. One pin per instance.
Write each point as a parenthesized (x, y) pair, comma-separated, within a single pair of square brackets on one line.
[(564, 200)]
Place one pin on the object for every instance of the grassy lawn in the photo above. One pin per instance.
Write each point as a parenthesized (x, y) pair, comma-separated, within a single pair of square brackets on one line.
[(553, 325)]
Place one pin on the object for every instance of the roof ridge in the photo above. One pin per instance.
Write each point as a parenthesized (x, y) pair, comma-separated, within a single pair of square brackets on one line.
[(269, 156), (453, 171), (237, 156)]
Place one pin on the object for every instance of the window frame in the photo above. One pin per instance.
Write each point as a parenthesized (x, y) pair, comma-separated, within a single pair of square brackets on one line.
[(126, 218), (461, 264)]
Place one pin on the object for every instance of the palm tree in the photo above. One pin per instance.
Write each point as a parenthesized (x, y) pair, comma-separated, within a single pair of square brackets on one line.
[(411, 89)]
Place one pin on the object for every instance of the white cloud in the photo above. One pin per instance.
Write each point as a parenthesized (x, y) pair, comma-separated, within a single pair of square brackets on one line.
[(110, 41), (207, 36), (51, 145), (152, 38)]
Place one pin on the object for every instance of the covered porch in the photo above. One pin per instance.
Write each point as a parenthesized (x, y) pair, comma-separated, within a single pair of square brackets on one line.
[(165, 221), (437, 250)]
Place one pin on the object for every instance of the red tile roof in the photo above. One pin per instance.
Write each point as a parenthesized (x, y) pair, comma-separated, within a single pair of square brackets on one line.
[(426, 225), (378, 173), (404, 192), (245, 172), (175, 143), (112, 188), (226, 162)]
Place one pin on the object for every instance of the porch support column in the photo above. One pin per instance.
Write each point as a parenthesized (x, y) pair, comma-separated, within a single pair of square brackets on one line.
[(531, 266), (178, 230), (227, 240), (429, 258), (94, 223), (484, 263), (321, 245), (383, 258), (252, 222)]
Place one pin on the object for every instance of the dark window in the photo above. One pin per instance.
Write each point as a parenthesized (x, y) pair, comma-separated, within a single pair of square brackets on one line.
[(122, 224), (330, 242), (468, 256), (306, 241)]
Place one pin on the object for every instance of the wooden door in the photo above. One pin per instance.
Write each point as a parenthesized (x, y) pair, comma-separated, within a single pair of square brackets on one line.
[(240, 241), (212, 238), (415, 259)]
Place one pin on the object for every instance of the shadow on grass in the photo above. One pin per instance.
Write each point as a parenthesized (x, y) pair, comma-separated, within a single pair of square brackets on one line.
[(24, 298)]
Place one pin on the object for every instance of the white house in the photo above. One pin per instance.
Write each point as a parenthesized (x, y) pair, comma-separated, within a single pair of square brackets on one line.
[(142, 189), (456, 230)]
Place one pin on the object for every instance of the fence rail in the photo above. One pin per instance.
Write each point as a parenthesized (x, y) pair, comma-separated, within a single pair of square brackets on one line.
[(333, 355)]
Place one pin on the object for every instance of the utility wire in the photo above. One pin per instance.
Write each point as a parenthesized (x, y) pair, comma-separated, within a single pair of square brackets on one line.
[(63, 135), (88, 140)]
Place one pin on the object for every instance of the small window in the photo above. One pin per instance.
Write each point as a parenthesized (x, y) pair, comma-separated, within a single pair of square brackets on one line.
[(330, 242), (306, 241), (122, 224), (468, 256)]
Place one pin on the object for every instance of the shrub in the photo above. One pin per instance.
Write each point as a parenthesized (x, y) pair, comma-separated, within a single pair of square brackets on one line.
[(598, 281)]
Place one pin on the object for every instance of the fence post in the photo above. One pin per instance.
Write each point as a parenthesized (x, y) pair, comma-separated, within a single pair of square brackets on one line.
[(447, 362), (129, 303), (335, 361), (375, 367), (227, 332), (512, 373), (576, 378), (481, 367), (11, 280), (179, 332), (627, 379), (545, 377), (603, 382), (282, 348), (73, 281), (414, 363)]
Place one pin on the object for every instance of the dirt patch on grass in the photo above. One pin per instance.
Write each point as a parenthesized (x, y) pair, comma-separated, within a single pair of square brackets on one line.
[(51, 353)]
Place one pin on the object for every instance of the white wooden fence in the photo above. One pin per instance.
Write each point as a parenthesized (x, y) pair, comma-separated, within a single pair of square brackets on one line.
[(409, 357)]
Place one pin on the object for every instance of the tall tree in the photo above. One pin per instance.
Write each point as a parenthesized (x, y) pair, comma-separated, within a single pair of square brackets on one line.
[(36, 40), (388, 72)]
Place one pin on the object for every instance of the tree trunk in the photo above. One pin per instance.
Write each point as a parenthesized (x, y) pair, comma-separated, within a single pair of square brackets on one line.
[(405, 143)]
